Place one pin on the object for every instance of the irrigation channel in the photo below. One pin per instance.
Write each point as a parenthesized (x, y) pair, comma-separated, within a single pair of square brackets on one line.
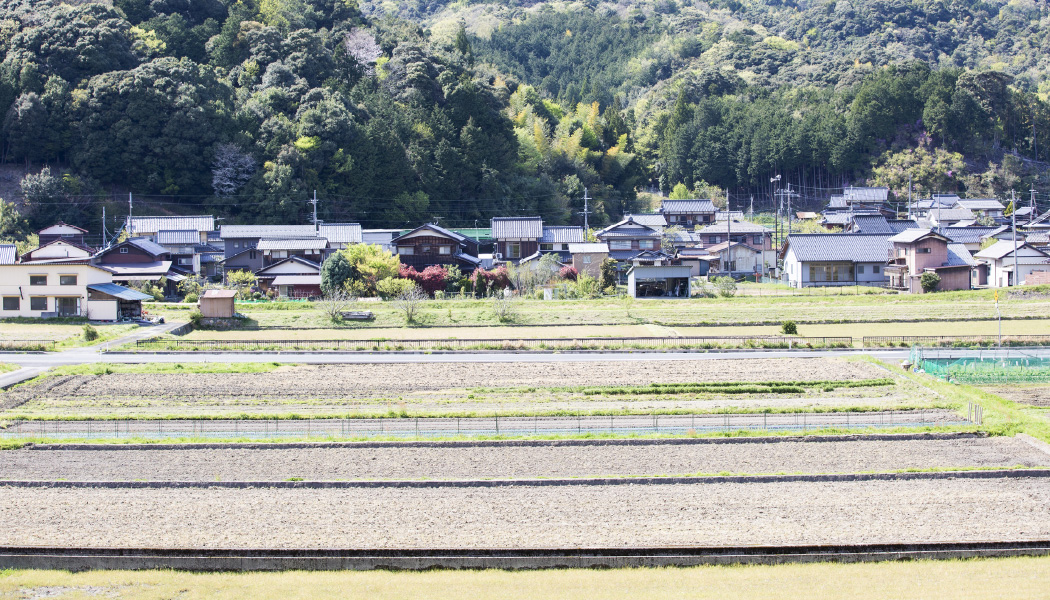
[(438, 427)]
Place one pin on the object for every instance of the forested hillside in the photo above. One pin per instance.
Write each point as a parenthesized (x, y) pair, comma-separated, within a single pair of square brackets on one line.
[(400, 112)]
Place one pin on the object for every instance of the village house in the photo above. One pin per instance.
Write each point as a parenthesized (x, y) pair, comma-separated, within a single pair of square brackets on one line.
[(983, 207), (138, 260), (431, 244), (688, 213), (294, 277), (515, 238), (759, 256), (628, 238), (829, 259), (918, 251), (65, 289), (734, 259), (657, 221), (150, 227), (995, 264), (340, 235), (65, 232), (588, 257), (59, 249)]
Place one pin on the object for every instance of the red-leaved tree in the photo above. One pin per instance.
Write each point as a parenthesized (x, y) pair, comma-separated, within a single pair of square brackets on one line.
[(432, 279), (569, 272)]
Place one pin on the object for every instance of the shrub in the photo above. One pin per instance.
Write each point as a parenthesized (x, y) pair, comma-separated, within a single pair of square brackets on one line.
[(570, 273), (929, 281), (191, 298), (587, 286), (392, 287), (196, 319), (789, 328), (726, 286), (90, 333)]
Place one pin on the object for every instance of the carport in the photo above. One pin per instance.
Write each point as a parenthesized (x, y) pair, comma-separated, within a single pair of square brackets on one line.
[(664, 281), (112, 302)]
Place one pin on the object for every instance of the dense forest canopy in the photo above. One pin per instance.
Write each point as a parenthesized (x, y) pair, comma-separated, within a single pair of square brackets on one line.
[(402, 112)]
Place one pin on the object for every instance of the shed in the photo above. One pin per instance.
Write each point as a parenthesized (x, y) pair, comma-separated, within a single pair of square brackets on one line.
[(217, 304), (663, 281), (112, 302)]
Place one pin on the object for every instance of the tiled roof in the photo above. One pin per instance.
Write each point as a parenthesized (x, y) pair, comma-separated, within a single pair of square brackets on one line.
[(156, 224), (958, 256), (725, 246), (220, 293), (628, 228), (981, 204), (562, 235), (292, 244), (436, 229), (951, 214), (866, 194), (654, 220), (266, 231), (528, 228), (61, 224), (180, 237), (1000, 249), (837, 201), (687, 206), (837, 218), (341, 233), (969, 235), (588, 248), (734, 227), (308, 264), (8, 253), (1041, 239), (847, 247)]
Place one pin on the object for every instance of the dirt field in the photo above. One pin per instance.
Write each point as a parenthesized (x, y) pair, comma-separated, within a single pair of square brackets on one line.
[(454, 388), (548, 459), (579, 516), (1032, 395)]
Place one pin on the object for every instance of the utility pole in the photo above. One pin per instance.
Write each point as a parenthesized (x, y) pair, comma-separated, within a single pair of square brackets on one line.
[(751, 209), (789, 195), (131, 223), (1031, 204), (729, 237), (586, 211), (103, 226), (777, 206), (314, 202), (1013, 218), (909, 195)]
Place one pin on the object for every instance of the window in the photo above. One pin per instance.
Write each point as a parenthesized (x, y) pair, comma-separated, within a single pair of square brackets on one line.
[(547, 247), (758, 240), (67, 280), (713, 239), (185, 261), (124, 250), (901, 252), (620, 245), (926, 250), (11, 303), (876, 269), (38, 280), (645, 244), (425, 250), (280, 254), (444, 249), (673, 218), (38, 303), (860, 269), (236, 244), (251, 255), (514, 250), (587, 259), (565, 247), (406, 250)]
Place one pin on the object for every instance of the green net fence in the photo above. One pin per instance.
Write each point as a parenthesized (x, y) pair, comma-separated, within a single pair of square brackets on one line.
[(984, 365)]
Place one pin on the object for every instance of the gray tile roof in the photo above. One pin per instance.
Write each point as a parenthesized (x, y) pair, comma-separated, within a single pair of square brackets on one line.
[(198, 223), (292, 244), (628, 228), (436, 229), (687, 206), (735, 227), (951, 214), (981, 204), (1000, 249), (118, 291), (266, 231), (654, 220), (178, 237), (958, 256), (837, 201), (866, 194), (846, 247), (505, 228), (309, 265), (562, 235), (837, 218), (341, 233), (8, 253), (913, 235), (969, 235)]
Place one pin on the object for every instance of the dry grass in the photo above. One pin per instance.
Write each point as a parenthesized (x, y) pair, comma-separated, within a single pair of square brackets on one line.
[(930, 580)]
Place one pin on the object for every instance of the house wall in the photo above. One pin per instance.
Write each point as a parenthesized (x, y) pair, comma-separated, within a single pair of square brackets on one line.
[(594, 267), (220, 308), (134, 255), (953, 279), (689, 219), (426, 253), (57, 251), (102, 310), (245, 262), (528, 248)]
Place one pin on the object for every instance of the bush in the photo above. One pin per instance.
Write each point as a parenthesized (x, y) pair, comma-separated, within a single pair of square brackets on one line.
[(196, 319), (191, 298), (789, 328), (393, 287), (90, 333), (929, 281), (726, 286), (569, 273)]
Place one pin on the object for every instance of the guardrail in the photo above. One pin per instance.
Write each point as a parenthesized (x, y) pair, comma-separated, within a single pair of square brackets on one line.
[(27, 345), (617, 343)]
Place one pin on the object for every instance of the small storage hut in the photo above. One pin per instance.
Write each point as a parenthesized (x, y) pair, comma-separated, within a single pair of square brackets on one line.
[(217, 304)]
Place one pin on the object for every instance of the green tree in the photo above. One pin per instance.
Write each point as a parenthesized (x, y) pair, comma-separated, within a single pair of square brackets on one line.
[(335, 273), (929, 281), (369, 264)]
